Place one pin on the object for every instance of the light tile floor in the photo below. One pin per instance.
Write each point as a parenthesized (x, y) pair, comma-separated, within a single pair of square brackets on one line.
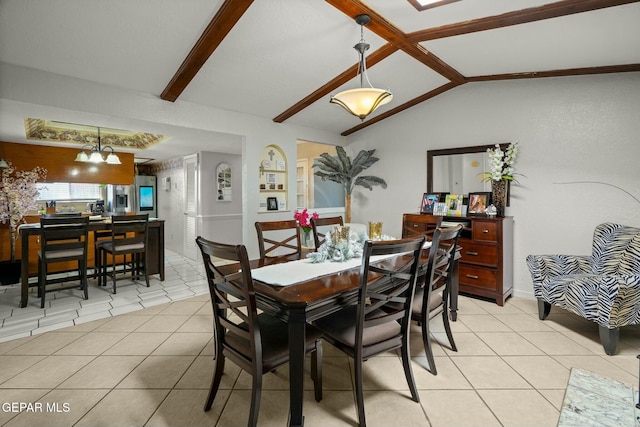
[(143, 357)]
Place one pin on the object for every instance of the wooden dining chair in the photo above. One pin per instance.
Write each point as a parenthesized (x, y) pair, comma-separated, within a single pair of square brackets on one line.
[(320, 233), (135, 243), (432, 296), (63, 239), (283, 238), (379, 322), (257, 343)]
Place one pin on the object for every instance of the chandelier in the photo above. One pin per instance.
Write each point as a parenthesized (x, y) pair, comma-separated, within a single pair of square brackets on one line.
[(97, 154), (364, 100)]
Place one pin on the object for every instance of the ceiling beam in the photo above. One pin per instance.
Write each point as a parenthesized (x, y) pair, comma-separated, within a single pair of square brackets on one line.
[(385, 29), (224, 20), (435, 92), (628, 68), (547, 11), (375, 57)]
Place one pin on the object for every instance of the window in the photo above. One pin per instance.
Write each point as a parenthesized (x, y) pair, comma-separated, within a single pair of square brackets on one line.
[(68, 191)]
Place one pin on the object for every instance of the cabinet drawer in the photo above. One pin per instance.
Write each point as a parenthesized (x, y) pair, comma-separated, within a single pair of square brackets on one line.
[(477, 276), (417, 228), (481, 254), (485, 230)]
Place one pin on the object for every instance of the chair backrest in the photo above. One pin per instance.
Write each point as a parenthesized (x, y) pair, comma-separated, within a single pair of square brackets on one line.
[(279, 241), (386, 288), (237, 331), (616, 249), (64, 235), (134, 228), (318, 232), (440, 264)]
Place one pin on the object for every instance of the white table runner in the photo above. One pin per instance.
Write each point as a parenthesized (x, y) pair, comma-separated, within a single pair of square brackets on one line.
[(292, 272)]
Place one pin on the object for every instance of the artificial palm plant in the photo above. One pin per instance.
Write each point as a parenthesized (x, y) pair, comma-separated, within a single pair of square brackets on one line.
[(342, 170)]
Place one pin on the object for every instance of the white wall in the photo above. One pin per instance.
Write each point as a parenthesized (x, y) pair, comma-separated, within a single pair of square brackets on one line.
[(570, 129)]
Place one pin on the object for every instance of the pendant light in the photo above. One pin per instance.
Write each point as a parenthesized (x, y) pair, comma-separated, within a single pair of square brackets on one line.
[(364, 100), (96, 154)]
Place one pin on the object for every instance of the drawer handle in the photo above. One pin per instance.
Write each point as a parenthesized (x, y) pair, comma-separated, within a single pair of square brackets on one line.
[(471, 276), (472, 253), (485, 231)]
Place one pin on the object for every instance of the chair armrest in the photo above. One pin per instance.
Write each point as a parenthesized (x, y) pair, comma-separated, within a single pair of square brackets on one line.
[(618, 300), (543, 267)]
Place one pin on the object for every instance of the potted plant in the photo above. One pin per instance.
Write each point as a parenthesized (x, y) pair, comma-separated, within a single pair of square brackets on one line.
[(342, 170), (304, 220), (501, 171), (18, 196)]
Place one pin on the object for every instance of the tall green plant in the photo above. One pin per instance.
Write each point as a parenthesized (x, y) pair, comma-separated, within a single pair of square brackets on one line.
[(342, 170)]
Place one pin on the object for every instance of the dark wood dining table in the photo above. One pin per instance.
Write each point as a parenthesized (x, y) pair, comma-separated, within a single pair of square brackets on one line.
[(310, 300), (156, 249)]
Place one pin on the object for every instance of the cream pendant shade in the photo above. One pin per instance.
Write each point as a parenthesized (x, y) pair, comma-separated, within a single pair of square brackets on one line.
[(95, 157), (363, 101)]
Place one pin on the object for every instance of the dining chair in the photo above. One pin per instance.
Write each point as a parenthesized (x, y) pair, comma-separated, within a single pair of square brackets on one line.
[(135, 243), (257, 343), (283, 238), (320, 233), (379, 321), (432, 296), (63, 239)]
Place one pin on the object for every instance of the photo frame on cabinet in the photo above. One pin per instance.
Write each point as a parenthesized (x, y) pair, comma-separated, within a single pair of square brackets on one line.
[(443, 197), (428, 202), (454, 204), (272, 203), (478, 202)]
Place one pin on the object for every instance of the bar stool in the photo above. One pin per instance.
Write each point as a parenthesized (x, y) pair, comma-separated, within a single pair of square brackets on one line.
[(63, 239), (135, 243)]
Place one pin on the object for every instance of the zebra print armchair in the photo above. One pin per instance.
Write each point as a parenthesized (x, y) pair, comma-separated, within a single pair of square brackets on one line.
[(603, 287)]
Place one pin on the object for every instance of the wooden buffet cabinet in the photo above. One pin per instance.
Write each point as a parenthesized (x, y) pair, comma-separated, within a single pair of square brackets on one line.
[(486, 266)]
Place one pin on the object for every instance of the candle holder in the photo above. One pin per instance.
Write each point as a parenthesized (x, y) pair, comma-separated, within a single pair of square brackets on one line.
[(375, 230), (340, 233)]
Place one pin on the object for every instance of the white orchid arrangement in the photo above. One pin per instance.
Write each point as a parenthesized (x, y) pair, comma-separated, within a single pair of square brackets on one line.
[(501, 163), (18, 196)]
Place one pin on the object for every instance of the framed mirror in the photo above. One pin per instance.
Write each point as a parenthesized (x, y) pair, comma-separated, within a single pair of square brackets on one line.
[(459, 170)]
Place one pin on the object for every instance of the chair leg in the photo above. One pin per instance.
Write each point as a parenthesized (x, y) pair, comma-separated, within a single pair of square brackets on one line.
[(447, 326), (544, 308), (146, 272), (85, 279), (42, 281), (609, 339), (215, 383), (427, 346), (357, 363), (113, 271), (408, 371), (256, 393), (316, 370)]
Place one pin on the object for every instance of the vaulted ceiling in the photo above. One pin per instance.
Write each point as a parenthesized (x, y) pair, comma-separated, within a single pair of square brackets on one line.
[(282, 59)]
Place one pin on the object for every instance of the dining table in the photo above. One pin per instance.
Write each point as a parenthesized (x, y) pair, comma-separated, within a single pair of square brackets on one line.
[(283, 289)]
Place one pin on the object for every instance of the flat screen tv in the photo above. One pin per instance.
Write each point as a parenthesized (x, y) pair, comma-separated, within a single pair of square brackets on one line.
[(146, 197)]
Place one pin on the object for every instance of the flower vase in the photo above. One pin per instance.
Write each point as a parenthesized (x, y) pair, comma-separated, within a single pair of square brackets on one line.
[(306, 239), (499, 195)]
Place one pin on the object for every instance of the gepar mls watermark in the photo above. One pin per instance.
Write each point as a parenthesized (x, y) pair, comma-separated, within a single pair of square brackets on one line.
[(36, 407)]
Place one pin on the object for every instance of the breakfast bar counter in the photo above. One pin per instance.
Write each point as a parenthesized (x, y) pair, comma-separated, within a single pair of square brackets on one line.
[(30, 240)]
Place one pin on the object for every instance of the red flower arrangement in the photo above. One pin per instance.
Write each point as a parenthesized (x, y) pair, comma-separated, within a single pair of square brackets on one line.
[(303, 219)]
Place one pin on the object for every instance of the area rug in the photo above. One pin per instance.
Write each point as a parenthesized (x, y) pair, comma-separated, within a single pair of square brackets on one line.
[(593, 400)]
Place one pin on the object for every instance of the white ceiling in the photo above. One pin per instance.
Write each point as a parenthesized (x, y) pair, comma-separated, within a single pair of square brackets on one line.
[(282, 50)]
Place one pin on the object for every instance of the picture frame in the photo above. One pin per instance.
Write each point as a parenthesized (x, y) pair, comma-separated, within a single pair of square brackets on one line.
[(440, 209), (428, 202), (478, 202), (454, 204), (271, 178), (443, 196), (272, 203)]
